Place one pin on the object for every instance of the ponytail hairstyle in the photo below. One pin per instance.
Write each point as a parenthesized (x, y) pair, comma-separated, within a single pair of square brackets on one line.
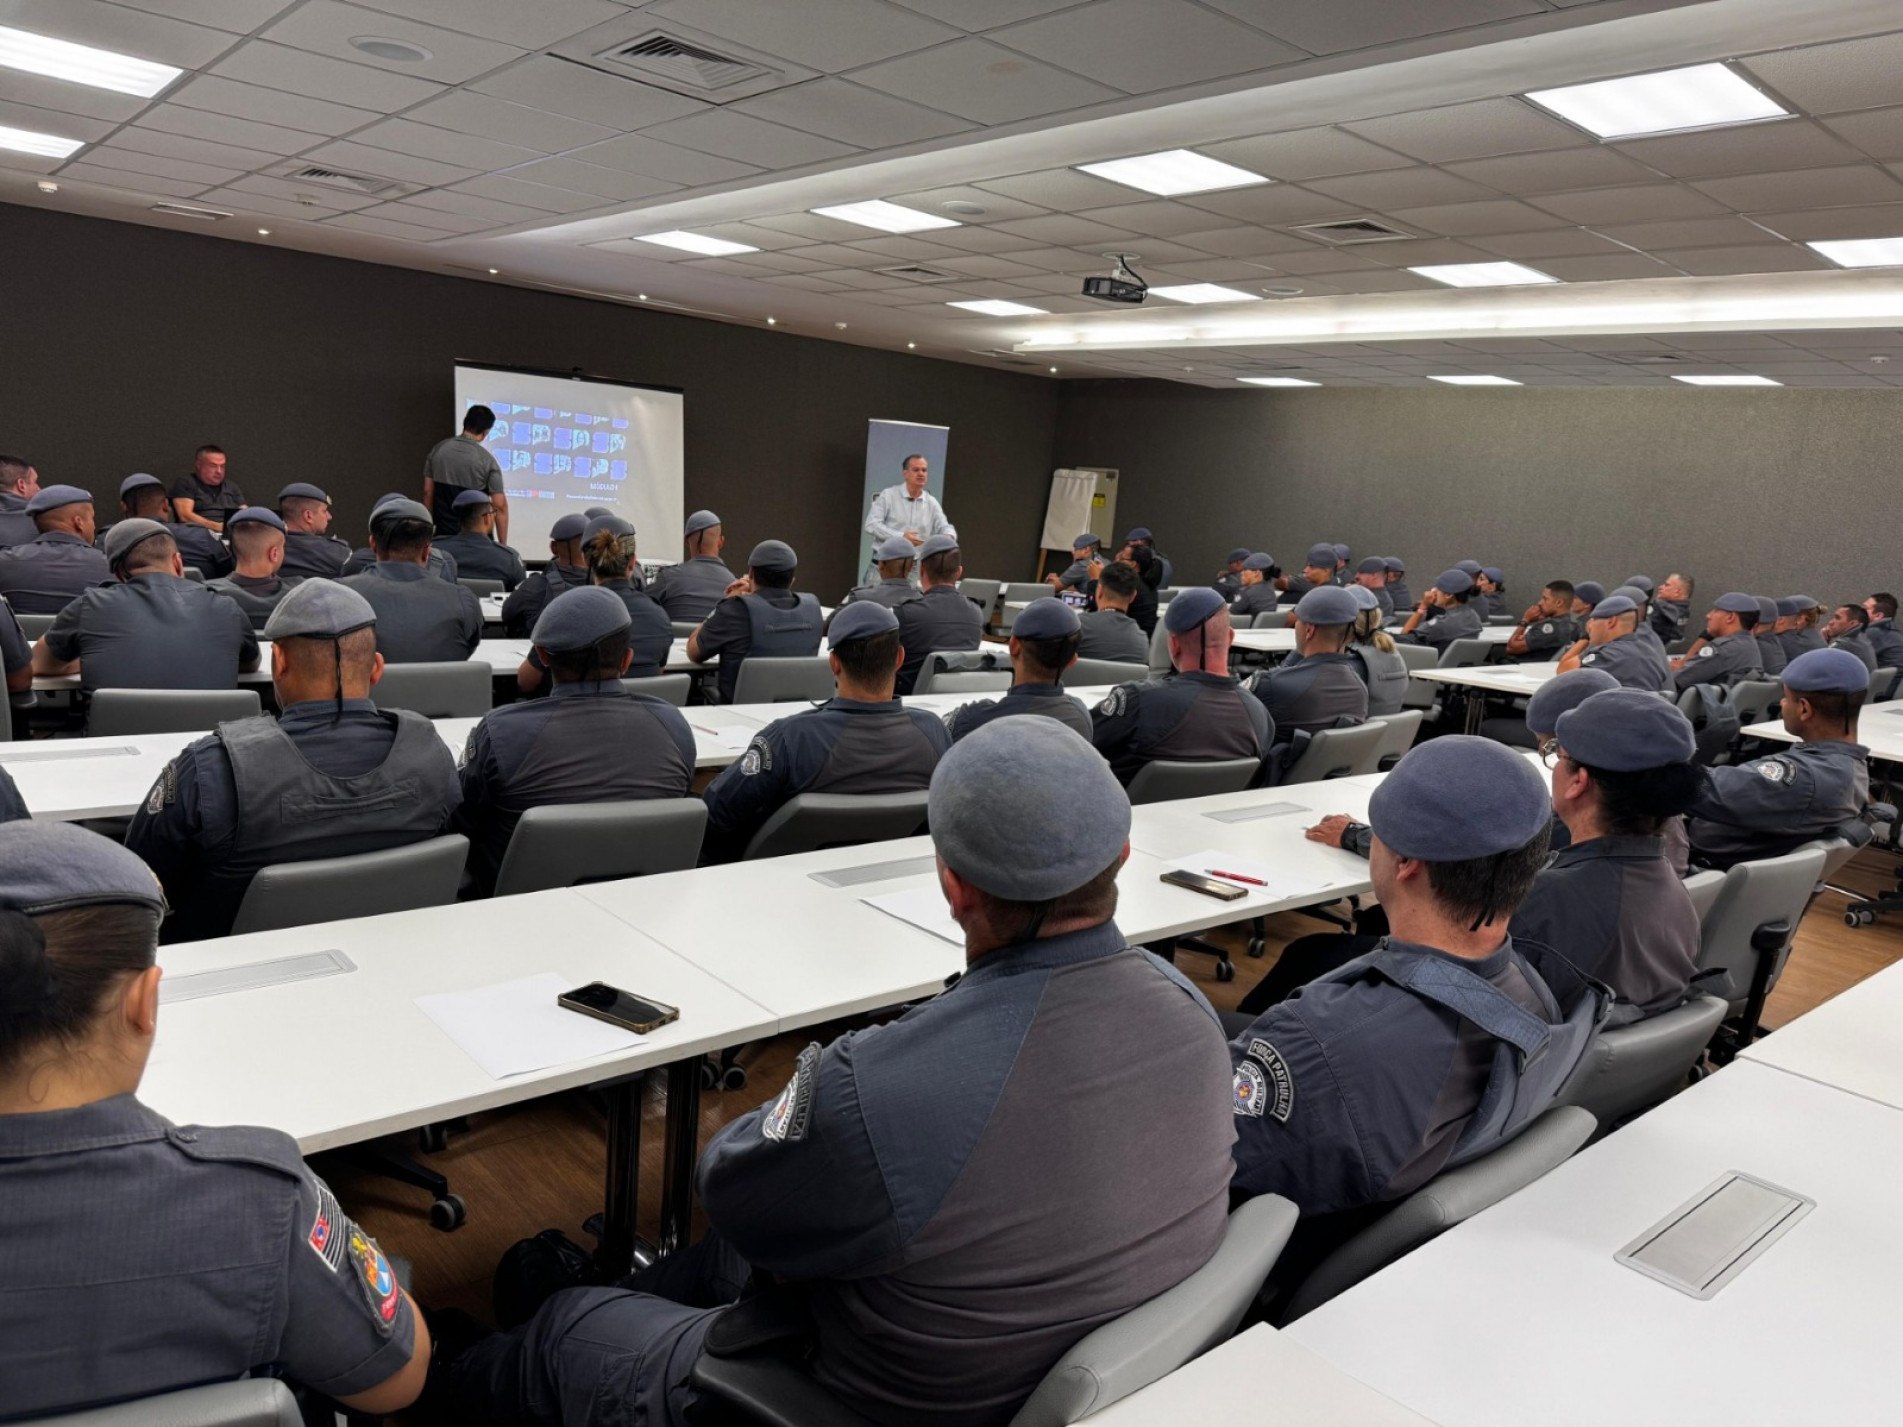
[(61, 970), (609, 556), (1367, 630)]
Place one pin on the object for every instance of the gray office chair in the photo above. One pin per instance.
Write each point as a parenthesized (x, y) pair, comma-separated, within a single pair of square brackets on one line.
[(117, 712), (670, 687), (1165, 781), (1883, 685), (1756, 700), (814, 821), (1450, 1198), (1273, 619), (194, 574), (1677, 647), (1014, 593), (1702, 887), (448, 690), (363, 884), (967, 681), (1340, 753), (807, 679), (1096, 673), (1418, 656), (1147, 1343), (683, 627), (1170, 592), (1398, 732), (561, 846), (1468, 653), (984, 594), (254, 1402), (480, 587), (1629, 1069), (1160, 648), (1422, 694), (947, 671), (1745, 939), (34, 625)]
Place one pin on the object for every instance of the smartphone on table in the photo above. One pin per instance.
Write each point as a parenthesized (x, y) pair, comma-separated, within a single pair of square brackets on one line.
[(618, 1007), (1208, 886)]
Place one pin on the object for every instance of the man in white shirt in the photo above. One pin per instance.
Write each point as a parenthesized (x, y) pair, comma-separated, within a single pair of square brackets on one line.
[(907, 511)]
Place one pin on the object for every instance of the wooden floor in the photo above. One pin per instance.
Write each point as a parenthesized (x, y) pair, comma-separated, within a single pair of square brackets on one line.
[(540, 1165)]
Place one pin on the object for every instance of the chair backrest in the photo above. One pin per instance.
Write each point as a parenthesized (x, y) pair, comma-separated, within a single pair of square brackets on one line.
[(989, 663), (1017, 593), (1837, 851), (1398, 732), (1677, 647), (1741, 931), (1164, 781), (1418, 656), (1756, 700), (564, 845), (813, 821), (1466, 654), (1160, 648), (683, 627), (1714, 720), (194, 574), (462, 689), (1178, 1325), (671, 687), (1095, 673), (1273, 619), (254, 1402), (1882, 683), (1702, 887), (1448, 1199), (116, 712), (1341, 753), (479, 587), (363, 884), (984, 594), (1629, 1069), (1168, 593), (965, 681), (34, 625), (764, 680)]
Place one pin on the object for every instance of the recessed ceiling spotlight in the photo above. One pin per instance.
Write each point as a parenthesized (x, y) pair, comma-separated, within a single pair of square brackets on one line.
[(1472, 379), (1283, 289), (1483, 274), (840, 325), (696, 243), (964, 208), (396, 51), (642, 296), (46, 185), (911, 346), (83, 64), (773, 322), (264, 232), (1736, 379), (494, 271), (886, 217), (1199, 292), (1053, 371), (1174, 171), (998, 307), (1700, 96)]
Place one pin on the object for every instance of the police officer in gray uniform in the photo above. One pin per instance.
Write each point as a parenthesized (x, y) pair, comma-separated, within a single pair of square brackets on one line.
[(1372, 575), (59, 563), (590, 741), (940, 618), (1397, 582), (1727, 654), (1671, 607), (154, 629), (1846, 631), (1444, 614), (16, 654), (1490, 592), (1375, 660), (1318, 686), (1771, 805), (567, 569), (142, 1256), (13, 807), (1318, 569), (1196, 714), (1228, 581), (690, 590), (760, 614), (1639, 589), (19, 483), (1108, 631), (608, 545), (143, 496), (1771, 655), (331, 774), (1256, 594), (1797, 619), (442, 566), (1547, 629), (1612, 645), (419, 620), (1085, 550), (310, 551), (478, 556), (942, 1246), (257, 539), (894, 587), (1043, 645), (1882, 631), (862, 740)]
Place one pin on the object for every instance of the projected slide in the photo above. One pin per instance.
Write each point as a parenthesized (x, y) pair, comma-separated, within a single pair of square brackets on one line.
[(566, 444)]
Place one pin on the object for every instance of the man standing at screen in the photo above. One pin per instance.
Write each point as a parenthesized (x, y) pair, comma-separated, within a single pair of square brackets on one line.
[(906, 511), (461, 463)]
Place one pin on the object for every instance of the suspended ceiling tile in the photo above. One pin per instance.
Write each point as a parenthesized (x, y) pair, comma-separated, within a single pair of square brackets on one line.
[(1230, 272), (289, 191), (223, 129), (984, 265), (384, 227), (1479, 130), (1160, 219), (238, 17), (747, 140), (1554, 171), (494, 213), (58, 96), (1306, 153), (360, 85), (976, 15), (156, 185), (108, 155), (1327, 260), (561, 86), (1382, 280), (898, 249), (1488, 217), (1243, 242), (1556, 243), (1401, 188), (487, 117), (426, 217), (538, 196), (177, 146), (838, 255), (562, 172), (1412, 253), (1064, 230), (1882, 220), (1878, 132), (977, 240), (1607, 267), (1644, 203), (1745, 148), (513, 22), (828, 35), (271, 106), (997, 206), (1689, 233), (154, 36), (850, 113), (983, 82), (422, 141), (382, 163), (1141, 46), (262, 205), (1358, 24), (326, 27), (42, 121), (1275, 204), (1805, 188), (636, 153), (1827, 79), (812, 227)]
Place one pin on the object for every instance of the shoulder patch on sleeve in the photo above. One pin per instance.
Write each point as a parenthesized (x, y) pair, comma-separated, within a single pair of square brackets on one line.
[(328, 1230), (1706, 652), (164, 791), (1588, 658), (374, 1275), (1273, 1087), (1117, 702), (758, 758), (787, 1117), (1775, 770), (1547, 627)]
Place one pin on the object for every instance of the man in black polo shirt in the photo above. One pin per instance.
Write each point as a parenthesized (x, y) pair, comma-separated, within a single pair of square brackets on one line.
[(207, 495)]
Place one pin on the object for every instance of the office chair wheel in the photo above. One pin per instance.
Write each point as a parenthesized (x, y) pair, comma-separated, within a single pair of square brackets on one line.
[(1225, 970), (448, 1213), (1257, 947), (734, 1077), (1858, 917), (709, 1075)]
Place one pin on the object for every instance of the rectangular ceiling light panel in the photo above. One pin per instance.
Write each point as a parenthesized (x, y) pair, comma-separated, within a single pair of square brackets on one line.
[(697, 243), (998, 307), (82, 64), (886, 217), (1484, 274), (1174, 171), (1701, 96), (1465, 379)]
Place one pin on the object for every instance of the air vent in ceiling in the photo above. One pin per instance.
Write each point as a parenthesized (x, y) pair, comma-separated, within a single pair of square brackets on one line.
[(1350, 230), (185, 210), (349, 182), (912, 272), (1645, 359), (681, 65)]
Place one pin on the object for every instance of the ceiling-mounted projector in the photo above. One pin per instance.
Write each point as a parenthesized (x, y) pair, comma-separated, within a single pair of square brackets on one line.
[(1122, 285)]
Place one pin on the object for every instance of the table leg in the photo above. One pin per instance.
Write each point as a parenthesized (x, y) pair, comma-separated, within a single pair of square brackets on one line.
[(616, 1252), (1476, 710), (681, 1149)]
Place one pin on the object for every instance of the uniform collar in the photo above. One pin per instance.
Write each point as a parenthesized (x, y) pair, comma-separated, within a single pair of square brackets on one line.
[(152, 578), (1046, 953), (312, 712), (581, 688), (1203, 676), (58, 537), (400, 571), (1836, 748), (1633, 849), (1486, 967), (1036, 691), (706, 560), (863, 706), (942, 590), (118, 1120)]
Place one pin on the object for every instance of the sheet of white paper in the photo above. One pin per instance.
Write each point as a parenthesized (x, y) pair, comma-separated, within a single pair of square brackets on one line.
[(735, 738), (1275, 884), (514, 1027), (924, 907)]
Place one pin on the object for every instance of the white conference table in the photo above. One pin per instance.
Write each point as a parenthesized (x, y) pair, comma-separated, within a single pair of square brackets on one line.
[(1850, 1043), (1521, 1315), (503, 656), (1520, 680), (1879, 728)]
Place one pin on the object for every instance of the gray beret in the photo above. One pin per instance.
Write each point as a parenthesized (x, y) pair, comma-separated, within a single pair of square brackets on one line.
[(700, 520), (1394, 563), (862, 619), (1459, 797), (465, 499), (381, 501), (1327, 604), (53, 497), (1826, 671), (1342, 552), (1045, 618), (1192, 609), (1767, 610), (128, 533), (1373, 565), (1801, 604), (1236, 556), (897, 548), (303, 490), (595, 512), (1625, 730), (578, 618), (1087, 541), (1589, 592), (319, 609), (773, 555), (1611, 606), (1068, 818), (1494, 574), (569, 527), (1258, 561), (1469, 568), (608, 521), (1641, 582), (1453, 582), (1563, 693), (1363, 597), (1138, 532), (1320, 557), (402, 508), (255, 515), (937, 545), (1631, 592), (137, 481), (1787, 606), (55, 867), (1732, 602)]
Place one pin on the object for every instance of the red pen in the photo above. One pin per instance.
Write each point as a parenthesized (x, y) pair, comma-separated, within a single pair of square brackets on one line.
[(1236, 877)]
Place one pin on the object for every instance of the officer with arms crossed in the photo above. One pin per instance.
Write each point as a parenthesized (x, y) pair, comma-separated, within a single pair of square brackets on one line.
[(567, 569), (59, 563), (478, 554), (309, 548), (1108, 632), (760, 614), (331, 774), (207, 495), (143, 497), (908, 510), (1444, 614), (1672, 607), (860, 741), (1318, 569), (940, 618), (257, 538), (1612, 645), (1884, 635), (894, 561), (256, 1272), (1043, 645), (940, 1247), (689, 590), (1256, 593), (419, 620), (462, 463)]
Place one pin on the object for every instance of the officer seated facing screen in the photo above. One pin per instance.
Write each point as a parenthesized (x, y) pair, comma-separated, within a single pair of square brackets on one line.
[(1612, 645), (19, 483), (1847, 630), (590, 741), (257, 539), (862, 740), (1490, 592), (894, 561), (332, 774), (154, 629), (1771, 655), (940, 618), (1672, 607), (905, 1201), (1374, 659), (567, 569), (478, 555), (1255, 590), (1885, 638), (1043, 645), (1086, 560), (1798, 617), (1779, 802), (419, 620), (1445, 613), (1398, 592), (1725, 654), (1228, 581), (760, 614), (608, 545), (1318, 569), (1318, 686), (688, 591), (309, 547), (256, 1270), (1547, 629), (59, 563), (1195, 714), (1108, 632), (442, 566), (143, 497), (1372, 575)]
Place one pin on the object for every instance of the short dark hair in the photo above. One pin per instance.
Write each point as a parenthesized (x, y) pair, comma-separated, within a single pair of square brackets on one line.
[(599, 661), (352, 655), (1095, 902), (472, 515), (1050, 656), (1561, 587), (1690, 584), (1463, 596), (252, 537), (1119, 578), (892, 569), (295, 505), (402, 537), (1886, 602), (944, 566), (1840, 709), (208, 450), (13, 469), (869, 660), (1482, 889), (57, 971), (1637, 804), (772, 579), (1857, 612), (155, 552), (140, 499), (479, 419), (1747, 619)]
